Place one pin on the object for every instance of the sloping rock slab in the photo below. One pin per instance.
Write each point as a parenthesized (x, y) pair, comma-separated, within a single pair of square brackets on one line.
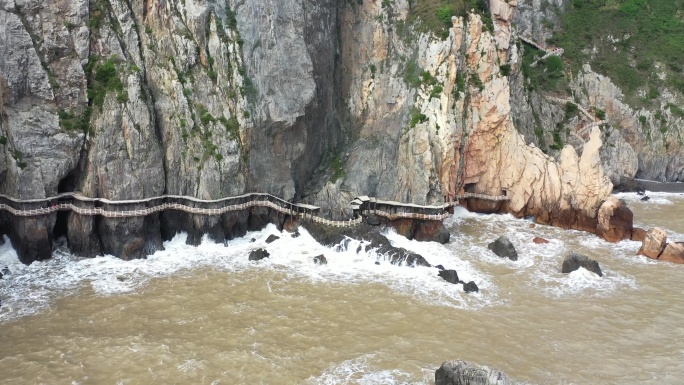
[(465, 373), (574, 261), (503, 247)]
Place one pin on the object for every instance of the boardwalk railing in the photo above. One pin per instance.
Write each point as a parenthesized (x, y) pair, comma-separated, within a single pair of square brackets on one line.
[(112, 209)]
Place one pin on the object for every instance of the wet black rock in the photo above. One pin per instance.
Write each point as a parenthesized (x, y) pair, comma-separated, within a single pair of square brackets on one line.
[(466, 373), (320, 260), (253, 240), (503, 247), (272, 238), (5, 271), (377, 262), (440, 267), (258, 255), (574, 261), (470, 287), (646, 198), (296, 234), (450, 276)]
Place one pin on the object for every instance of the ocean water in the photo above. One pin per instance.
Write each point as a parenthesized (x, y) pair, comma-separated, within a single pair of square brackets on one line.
[(208, 315)]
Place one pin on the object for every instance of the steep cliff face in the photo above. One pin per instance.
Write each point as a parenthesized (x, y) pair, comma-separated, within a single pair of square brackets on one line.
[(309, 100)]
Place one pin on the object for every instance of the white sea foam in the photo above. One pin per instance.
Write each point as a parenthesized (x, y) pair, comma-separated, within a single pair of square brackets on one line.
[(33, 288), (362, 371)]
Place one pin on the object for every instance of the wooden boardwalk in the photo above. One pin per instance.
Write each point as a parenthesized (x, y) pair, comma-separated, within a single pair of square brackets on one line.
[(82, 205)]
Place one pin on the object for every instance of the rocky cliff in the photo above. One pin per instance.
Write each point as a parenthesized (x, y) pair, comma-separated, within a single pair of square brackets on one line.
[(314, 101)]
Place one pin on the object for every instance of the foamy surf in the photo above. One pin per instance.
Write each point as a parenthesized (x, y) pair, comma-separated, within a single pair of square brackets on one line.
[(362, 371), (31, 289)]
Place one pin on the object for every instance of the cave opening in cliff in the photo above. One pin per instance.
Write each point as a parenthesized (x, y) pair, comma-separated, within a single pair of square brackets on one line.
[(61, 227)]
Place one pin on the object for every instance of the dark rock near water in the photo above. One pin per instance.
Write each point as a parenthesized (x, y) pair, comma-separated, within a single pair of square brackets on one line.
[(440, 267), (450, 276), (465, 373), (373, 220), (258, 255), (252, 240), (5, 271), (646, 198), (470, 287), (296, 234), (574, 261), (320, 260), (431, 231), (272, 238), (503, 247), (377, 262)]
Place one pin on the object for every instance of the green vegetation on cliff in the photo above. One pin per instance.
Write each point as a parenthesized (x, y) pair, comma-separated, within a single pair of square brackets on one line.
[(435, 15), (637, 43)]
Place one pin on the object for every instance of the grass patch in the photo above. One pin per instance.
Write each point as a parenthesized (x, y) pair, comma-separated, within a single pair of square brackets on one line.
[(649, 31), (435, 15)]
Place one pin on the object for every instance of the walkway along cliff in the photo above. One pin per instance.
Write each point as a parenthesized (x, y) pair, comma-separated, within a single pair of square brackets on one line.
[(316, 101)]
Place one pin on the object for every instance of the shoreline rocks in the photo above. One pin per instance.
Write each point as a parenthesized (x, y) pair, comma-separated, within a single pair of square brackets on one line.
[(258, 255), (655, 246)]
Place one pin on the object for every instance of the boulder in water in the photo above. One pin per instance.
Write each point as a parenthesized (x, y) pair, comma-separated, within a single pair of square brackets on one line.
[(654, 243), (470, 287), (674, 252), (615, 220), (574, 261), (296, 234), (646, 198), (320, 260), (465, 373), (638, 234), (6, 271), (440, 267), (503, 247), (258, 255), (272, 238), (450, 276)]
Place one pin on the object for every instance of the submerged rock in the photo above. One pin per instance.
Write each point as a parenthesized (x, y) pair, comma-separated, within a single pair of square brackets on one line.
[(440, 267), (646, 198), (450, 276), (320, 260), (466, 373), (470, 287), (574, 261), (272, 238), (5, 271), (540, 241), (258, 255), (296, 234), (503, 247)]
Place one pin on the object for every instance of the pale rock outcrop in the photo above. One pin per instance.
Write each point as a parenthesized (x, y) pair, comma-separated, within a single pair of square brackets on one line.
[(615, 220), (654, 243), (673, 252)]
